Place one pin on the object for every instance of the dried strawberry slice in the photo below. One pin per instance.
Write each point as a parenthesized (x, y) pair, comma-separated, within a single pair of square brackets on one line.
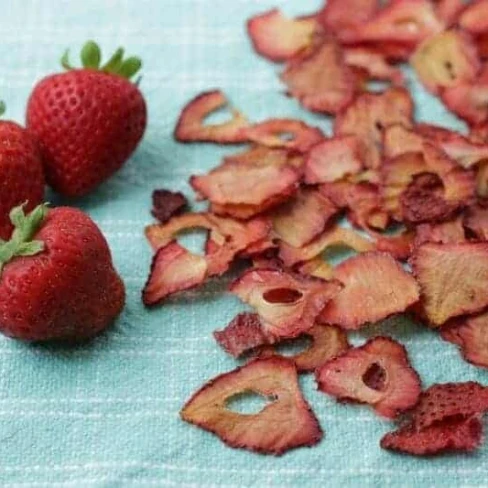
[(449, 10), (377, 373), (287, 305), (279, 38), (302, 219), (451, 231), (399, 246), (317, 268), (453, 279), (482, 180), (333, 159), (476, 220), (398, 140), (285, 423), (447, 436), (285, 133), (173, 269), (375, 287), (469, 101), (319, 90), (167, 203), (267, 156), (191, 127), (369, 115), (446, 60), (474, 18), (332, 237)]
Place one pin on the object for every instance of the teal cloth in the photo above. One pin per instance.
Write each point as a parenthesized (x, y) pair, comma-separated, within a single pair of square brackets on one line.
[(106, 414)]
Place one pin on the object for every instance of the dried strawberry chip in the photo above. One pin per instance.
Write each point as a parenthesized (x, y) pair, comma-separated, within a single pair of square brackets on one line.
[(449, 10), (398, 140), (333, 159), (471, 335), (375, 287), (469, 101), (446, 60), (474, 18), (453, 279), (243, 333), (284, 133), (287, 305), (173, 269), (317, 268), (451, 231), (447, 436), (399, 246), (279, 38), (482, 180), (377, 373), (167, 203), (476, 220), (300, 220), (479, 134), (369, 115), (260, 248), (191, 127), (267, 156), (332, 237), (285, 423), (318, 89), (327, 342)]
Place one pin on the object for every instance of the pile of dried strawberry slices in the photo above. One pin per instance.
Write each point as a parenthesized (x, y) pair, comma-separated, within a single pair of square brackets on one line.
[(410, 199)]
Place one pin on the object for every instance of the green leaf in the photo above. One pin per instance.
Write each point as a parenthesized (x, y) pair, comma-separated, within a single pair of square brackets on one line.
[(91, 55), (2, 107), (65, 61), (130, 67), (30, 248), (114, 63)]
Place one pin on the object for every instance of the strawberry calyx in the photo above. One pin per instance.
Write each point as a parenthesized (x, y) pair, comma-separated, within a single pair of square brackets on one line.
[(91, 58), (25, 228)]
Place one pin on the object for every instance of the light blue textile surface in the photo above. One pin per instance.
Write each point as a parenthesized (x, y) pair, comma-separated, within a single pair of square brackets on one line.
[(107, 414)]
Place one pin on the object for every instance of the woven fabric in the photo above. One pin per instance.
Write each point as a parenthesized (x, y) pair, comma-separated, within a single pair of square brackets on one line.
[(106, 414)]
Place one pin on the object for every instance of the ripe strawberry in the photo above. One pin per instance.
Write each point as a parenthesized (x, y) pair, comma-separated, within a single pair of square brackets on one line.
[(88, 121), (57, 280), (21, 174)]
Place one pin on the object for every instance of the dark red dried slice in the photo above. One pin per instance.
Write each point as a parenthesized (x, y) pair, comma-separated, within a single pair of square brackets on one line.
[(369, 115), (166, 204), (191, 127), (377, 373), (476, 220), (375, 287), (318, 89), (453, 279), (451, 231), (173, 269), (333, 159), (446, 60), (279, 38), (287, 304), (285, 423)]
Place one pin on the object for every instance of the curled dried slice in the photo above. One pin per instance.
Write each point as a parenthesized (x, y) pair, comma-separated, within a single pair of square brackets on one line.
[(369, 115), (445, 60), (377, 373), (285, 423), (453, 279), (285, 133), (333, 159), (287, 304), (318, 89), (191, 127), (327, 342), (375, 287), (451, 231), (332, 237), (279, 38), (476, 220), (300, 220), (173, 269), (166, 204), (471, 335)]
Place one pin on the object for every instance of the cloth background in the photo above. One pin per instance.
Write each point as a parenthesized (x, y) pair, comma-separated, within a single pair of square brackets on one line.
[(106, 414)]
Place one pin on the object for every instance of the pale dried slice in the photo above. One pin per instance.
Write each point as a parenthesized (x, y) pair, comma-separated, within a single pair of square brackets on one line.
[(285, 423), (476, 220), (369, 115), (375, 287), (446, 60), (451, 231), (317, 268), (453, 279), (377, 373), (287, 304), (191, 126), (398, 140), (300, 220), (318, 89), (284, 133), (333, 159), (277, 37)]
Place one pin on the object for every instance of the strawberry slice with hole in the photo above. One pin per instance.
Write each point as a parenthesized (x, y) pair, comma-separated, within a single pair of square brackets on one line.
[(285, 423), (378, 373)]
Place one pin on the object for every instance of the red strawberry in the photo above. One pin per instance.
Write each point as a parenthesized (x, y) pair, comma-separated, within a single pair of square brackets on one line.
[(21, 175), (88, 121), (57, 280)]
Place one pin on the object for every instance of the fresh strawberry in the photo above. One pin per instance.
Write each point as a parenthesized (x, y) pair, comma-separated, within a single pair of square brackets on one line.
[(57, 280), (88, 121), (21, 175)]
